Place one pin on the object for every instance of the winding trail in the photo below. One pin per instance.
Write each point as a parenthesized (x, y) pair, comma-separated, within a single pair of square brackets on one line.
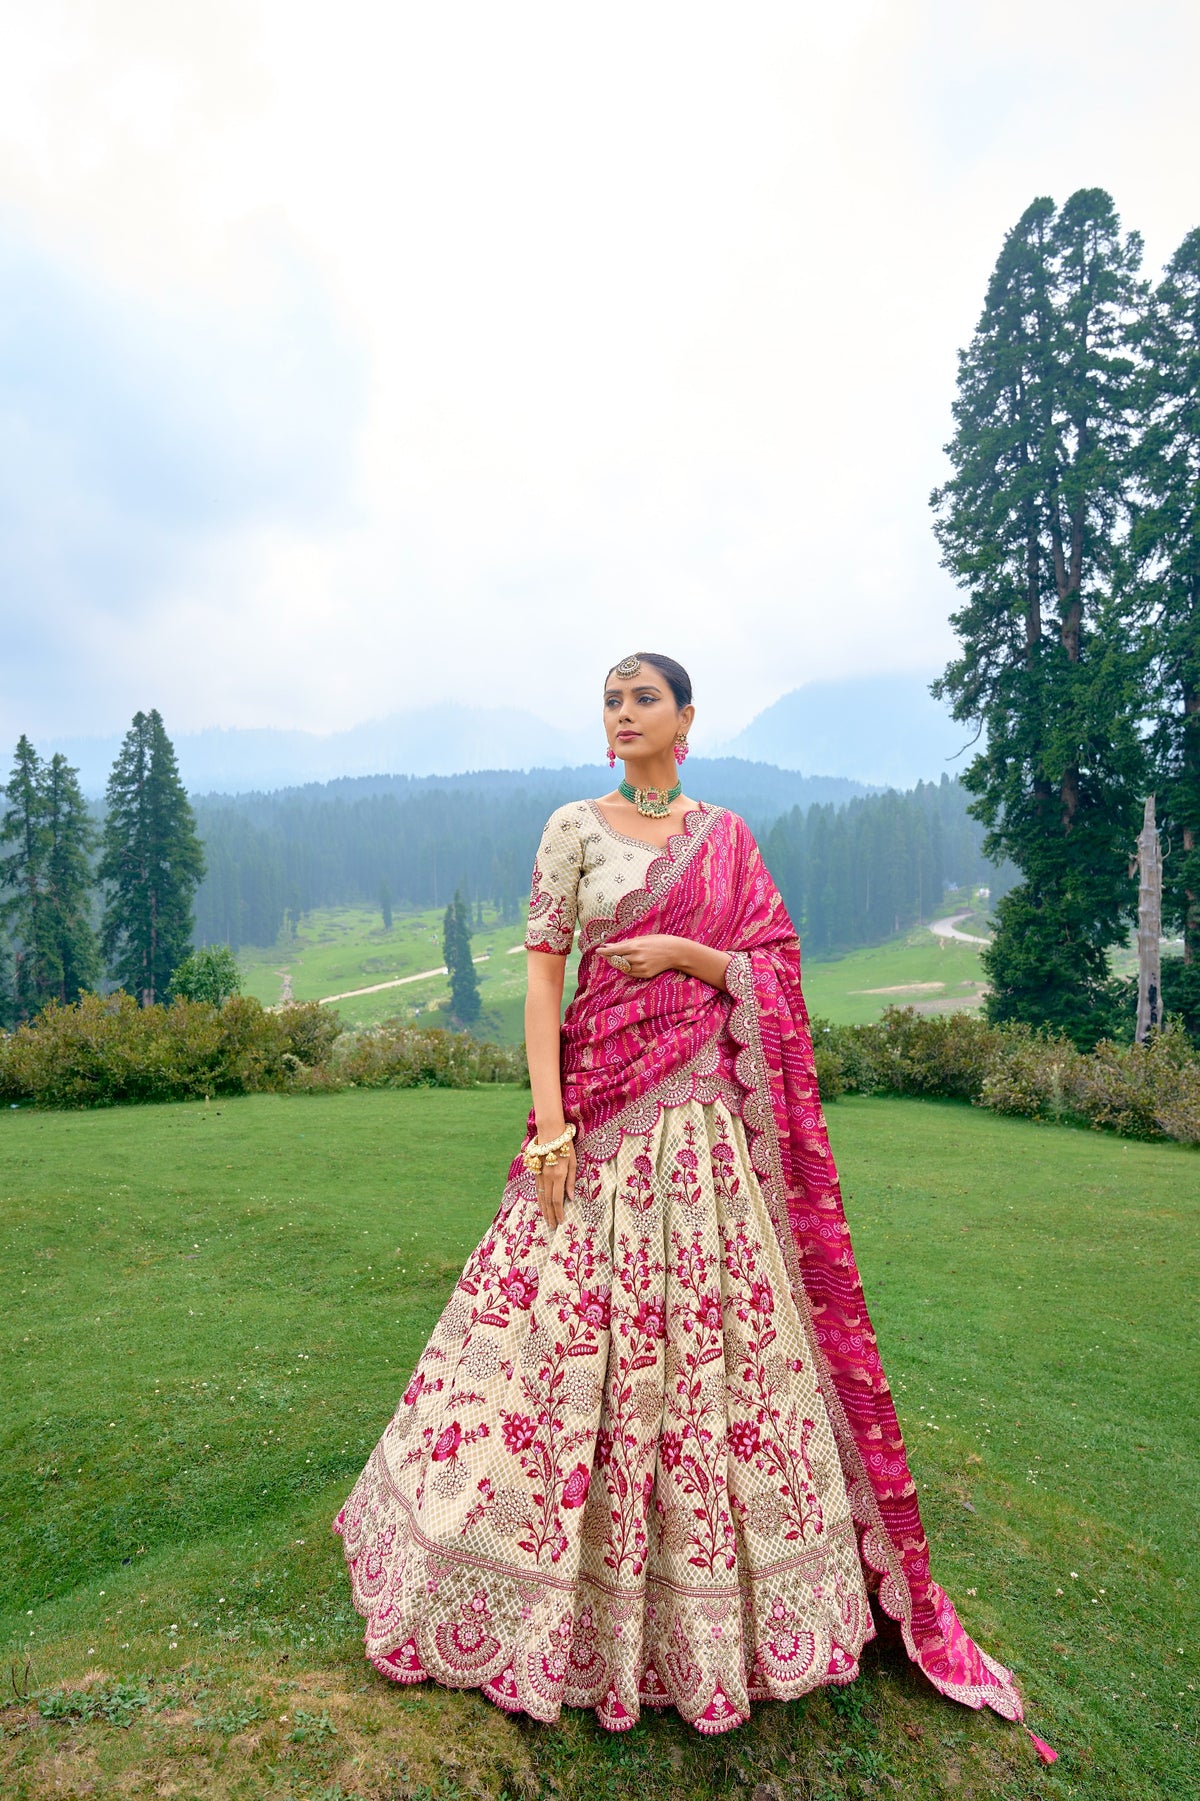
[(946, 928), (422, 975)]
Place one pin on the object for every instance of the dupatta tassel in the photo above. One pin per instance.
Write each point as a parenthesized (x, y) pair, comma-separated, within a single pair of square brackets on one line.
[(1046, 1752)]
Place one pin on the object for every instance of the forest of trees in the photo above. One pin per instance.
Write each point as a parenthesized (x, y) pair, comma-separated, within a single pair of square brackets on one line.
[(64, 921), (1071, 523), (859, 874), (851, 875)]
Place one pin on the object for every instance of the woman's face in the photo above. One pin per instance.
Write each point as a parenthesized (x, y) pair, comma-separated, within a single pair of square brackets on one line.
[(640, 715)]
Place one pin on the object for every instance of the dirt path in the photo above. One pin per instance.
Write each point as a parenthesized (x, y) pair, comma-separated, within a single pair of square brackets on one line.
[(422, 975), (946, 928)]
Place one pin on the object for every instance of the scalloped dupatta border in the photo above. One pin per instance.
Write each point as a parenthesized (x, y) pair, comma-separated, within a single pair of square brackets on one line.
[(790, 1151)]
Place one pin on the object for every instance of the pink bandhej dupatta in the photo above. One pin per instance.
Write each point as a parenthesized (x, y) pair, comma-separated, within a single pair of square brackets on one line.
[(631, 1047)]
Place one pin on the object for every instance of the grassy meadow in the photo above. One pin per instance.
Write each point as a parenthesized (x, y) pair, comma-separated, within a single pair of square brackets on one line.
[(209, 1313), (340, 949)]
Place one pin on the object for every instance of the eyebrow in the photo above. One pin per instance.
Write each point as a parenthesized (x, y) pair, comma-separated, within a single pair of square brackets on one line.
[(641, 688)]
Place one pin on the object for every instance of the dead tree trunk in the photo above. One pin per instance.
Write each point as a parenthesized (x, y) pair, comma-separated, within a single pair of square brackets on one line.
[(1150, 872)]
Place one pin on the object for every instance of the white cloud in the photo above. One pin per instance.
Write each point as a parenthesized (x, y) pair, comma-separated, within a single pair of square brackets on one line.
[(645, 318)]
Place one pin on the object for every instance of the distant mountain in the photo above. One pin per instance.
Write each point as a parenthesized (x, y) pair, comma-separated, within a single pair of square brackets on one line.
[(885, 730), (433, 741), (759, 792), (877, 730)]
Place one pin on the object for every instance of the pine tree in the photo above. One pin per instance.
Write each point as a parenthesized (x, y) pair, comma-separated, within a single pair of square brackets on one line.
[(1166, 558), (385, 905), (71, 840), (152, 862), (8, 1010), (48, 873), (465, 1004), (23, 876), (1030, 527)]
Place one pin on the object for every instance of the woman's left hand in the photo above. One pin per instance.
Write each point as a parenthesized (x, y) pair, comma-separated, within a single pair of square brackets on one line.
[(645, 957)]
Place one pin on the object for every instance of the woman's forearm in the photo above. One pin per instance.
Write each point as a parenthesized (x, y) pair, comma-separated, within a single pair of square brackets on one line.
[(703, 961), (543, 1012)]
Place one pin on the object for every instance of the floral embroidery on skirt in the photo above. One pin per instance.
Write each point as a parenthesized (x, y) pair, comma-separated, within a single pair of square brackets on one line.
[(612, 1480)]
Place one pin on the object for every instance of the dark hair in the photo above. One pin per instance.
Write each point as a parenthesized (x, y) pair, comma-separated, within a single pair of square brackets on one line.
[(675, 675)]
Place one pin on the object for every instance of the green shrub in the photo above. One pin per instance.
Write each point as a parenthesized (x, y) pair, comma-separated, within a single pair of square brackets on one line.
[(1139, 1091), (829, 1062), (106, 1049), (311, 1031), (396, 1056), (906, 1052), (1031, 1077), (210, 974)]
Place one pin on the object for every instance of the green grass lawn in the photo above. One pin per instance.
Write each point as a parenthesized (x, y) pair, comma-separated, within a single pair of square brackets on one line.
[(916, 969), (209, 1313)]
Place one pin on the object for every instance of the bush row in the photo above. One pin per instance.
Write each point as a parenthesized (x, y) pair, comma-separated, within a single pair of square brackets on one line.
[(1140, 1091), (106, 1049)]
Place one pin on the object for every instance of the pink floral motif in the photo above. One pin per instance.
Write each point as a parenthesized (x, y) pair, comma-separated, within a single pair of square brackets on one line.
[(593, 1306), (447, 1445), (743, 1439), (670, 1450), (638, 1320), (518, 1431), (651, 1317), (520, 1286), (639, 1184), (708, 1312), (549, 928), (476, 1512), (576, 1486), (697, 1407), (760, 1299), (771, 1434), (685, 1170), (572, 1297)]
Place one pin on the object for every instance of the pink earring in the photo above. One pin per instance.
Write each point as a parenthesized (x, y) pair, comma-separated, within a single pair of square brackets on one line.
[(681, 750), (612, 757)]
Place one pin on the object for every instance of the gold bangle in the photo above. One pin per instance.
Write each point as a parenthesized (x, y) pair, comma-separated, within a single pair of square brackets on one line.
[(535, 1155)]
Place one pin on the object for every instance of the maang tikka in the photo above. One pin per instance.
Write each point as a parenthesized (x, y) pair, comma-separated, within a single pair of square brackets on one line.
[(627, 666)]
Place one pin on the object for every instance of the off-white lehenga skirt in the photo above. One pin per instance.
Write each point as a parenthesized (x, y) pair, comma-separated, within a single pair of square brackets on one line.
[(611, 1481)]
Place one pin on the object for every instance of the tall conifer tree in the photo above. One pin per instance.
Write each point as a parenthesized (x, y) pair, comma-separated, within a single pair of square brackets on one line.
[(48, 878), (1030, 526), (456, 948), (70, 841), (24, 907), (152, 862), (1166, 557)]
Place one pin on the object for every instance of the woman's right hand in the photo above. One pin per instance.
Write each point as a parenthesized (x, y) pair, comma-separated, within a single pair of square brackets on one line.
[(556, 1182)]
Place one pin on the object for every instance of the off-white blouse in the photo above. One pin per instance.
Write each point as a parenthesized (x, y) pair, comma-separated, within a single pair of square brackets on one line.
[(583, 867)]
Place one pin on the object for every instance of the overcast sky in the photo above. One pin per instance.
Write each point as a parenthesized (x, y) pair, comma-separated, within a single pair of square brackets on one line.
[(357, 356)]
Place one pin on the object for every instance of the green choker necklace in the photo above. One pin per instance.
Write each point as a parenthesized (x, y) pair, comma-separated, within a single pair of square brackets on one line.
[(652, 803)]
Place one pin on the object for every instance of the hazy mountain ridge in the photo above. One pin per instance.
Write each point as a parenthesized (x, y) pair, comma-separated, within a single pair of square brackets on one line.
[(870, 731), (885, 730)]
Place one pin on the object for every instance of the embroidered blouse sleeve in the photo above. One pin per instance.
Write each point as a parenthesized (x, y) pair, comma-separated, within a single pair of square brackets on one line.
[(553, 902)]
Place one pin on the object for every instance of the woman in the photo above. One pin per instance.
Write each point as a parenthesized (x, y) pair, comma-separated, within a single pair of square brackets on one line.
[(649, 1454)]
